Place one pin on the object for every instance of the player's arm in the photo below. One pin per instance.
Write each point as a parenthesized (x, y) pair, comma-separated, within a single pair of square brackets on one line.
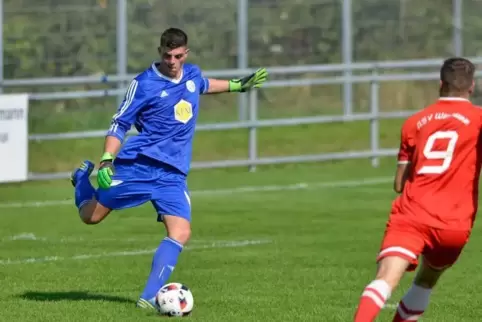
[(255, 80), (112, 145), (121, 123), (217, 86), (404, 157), (401, 176)]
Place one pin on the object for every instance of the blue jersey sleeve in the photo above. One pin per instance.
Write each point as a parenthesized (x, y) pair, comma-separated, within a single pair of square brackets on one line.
[(204, 85), (135, 99), (201, 81)]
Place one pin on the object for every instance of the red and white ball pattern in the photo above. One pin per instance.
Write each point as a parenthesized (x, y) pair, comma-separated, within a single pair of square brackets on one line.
[(175, 299)]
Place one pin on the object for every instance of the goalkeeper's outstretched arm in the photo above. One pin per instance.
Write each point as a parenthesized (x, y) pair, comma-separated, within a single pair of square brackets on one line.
[(244, 84)]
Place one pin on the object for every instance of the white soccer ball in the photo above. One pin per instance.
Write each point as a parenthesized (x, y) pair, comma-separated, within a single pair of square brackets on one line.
[(175, 299)]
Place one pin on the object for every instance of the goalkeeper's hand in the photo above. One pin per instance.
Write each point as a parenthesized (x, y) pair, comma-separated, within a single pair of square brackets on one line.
[(244, 84), (106, 171)]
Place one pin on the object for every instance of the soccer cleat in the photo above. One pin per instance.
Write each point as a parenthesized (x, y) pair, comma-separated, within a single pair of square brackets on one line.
[(84, 170), (149, 305)]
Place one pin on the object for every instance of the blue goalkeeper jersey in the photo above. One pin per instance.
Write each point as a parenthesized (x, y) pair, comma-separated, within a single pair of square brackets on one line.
[(164, 112)]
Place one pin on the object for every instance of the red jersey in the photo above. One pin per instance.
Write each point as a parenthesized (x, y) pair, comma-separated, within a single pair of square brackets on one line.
[(442, 143)]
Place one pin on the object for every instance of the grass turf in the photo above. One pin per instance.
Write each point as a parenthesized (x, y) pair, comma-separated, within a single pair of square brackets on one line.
[(301, 250), (315, 252)]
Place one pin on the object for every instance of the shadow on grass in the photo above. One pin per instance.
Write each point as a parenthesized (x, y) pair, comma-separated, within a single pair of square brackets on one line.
[(72, 296)]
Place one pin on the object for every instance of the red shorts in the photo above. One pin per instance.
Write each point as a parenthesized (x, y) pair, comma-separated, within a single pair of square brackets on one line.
[(409, 239)]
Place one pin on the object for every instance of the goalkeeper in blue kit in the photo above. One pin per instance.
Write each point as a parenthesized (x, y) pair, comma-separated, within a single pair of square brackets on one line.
[(163, 104)]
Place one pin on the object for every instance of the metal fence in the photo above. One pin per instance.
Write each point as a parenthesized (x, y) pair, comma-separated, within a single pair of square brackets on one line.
[(70, 54)]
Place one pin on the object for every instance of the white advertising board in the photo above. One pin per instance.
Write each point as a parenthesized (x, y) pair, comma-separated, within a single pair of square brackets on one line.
[(13, 137)]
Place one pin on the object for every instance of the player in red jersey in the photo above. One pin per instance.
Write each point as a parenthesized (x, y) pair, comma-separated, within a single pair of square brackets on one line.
[(438, 171)]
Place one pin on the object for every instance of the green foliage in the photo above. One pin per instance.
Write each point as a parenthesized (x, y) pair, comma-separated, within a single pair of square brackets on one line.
[(68, 37)]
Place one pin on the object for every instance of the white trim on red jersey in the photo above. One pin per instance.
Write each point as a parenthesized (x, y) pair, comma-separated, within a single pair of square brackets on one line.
[(453, 99)]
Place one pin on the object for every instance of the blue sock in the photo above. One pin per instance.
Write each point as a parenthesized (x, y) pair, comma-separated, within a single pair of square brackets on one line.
[(83, 192), (163, 263)]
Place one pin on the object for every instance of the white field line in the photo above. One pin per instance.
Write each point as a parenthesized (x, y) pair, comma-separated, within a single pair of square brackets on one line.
[(212, 245), (219, 192), (79, 239), (390, 306)]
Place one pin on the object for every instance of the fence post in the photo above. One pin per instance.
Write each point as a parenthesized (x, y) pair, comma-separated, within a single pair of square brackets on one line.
[(121, 45), (253, 138), (1, 46), (243, 33), (457, 27), (374, 121), (347, 55)]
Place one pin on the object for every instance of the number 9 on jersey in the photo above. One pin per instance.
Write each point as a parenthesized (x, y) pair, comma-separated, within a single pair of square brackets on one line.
[(445, 156)]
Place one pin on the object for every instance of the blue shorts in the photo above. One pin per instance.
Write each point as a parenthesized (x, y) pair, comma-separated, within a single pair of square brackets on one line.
[(137, 181)]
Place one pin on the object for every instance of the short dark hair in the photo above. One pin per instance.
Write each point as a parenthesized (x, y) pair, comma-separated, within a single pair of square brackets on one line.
[(173, 38), (457, 76)]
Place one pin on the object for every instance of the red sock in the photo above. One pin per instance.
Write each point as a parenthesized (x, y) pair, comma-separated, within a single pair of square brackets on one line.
[(372, 301)]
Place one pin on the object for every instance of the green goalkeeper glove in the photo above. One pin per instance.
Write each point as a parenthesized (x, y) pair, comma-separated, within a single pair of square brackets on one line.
[(244, 84), (106, 171)]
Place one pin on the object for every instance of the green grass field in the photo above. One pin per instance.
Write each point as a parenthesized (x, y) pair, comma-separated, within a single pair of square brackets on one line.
[(299, 245), (294, 242)]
